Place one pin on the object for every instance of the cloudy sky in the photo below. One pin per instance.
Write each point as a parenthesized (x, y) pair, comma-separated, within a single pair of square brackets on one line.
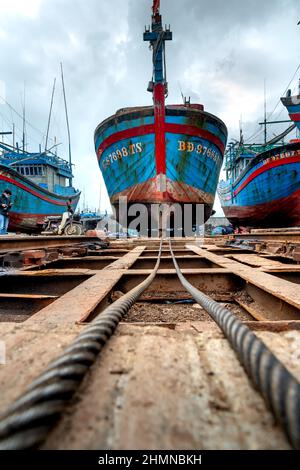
[(220, 56)]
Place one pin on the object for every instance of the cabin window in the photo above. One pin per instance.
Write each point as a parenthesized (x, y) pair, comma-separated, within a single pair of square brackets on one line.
[(26, 170)]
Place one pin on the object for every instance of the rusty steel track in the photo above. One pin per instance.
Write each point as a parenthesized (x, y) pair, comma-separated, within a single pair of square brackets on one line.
[(18, 243), (123, 269)]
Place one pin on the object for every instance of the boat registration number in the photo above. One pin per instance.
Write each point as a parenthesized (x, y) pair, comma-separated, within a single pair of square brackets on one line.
[(121, 153), (187, 146)]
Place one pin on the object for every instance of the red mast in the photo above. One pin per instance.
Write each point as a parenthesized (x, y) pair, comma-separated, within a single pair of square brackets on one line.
[(155, 8), (158, 86)]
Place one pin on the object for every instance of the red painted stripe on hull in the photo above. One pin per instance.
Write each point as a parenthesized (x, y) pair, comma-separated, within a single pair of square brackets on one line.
[(150, 129), (195, 131), (31, 191), (264, 168), (295, 117), (159, 125), (127, 134)]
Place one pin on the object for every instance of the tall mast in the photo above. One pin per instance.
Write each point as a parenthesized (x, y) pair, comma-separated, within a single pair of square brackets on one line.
[(67, 121), (23, 138), (157, 36), (265, 114), (50, 112)]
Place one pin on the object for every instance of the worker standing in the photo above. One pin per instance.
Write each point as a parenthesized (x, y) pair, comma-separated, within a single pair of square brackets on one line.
[(5, 206)]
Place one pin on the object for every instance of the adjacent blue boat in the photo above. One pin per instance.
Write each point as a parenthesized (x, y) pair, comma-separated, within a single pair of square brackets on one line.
[(262, 187), (155, 154), (38, 185)]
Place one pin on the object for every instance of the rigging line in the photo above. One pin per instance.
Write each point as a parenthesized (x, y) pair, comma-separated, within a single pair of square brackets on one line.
[(256, 134), (50, 112), (283, 94), (278, 102), (5, 118), (21, 117), (19, 132)]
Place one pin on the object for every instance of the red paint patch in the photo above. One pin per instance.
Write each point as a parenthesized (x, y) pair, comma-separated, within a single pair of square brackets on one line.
[(159, 125), (295, 117)]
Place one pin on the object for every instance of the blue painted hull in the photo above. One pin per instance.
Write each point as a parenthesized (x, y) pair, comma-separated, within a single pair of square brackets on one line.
[(267, 193), (195, 143), (31, 203)]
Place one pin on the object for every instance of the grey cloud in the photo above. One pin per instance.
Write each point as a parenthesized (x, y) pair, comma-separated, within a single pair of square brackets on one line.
[(107, 65)]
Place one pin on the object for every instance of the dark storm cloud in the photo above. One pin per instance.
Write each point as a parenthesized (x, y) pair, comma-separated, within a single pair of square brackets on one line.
[(220, 55)]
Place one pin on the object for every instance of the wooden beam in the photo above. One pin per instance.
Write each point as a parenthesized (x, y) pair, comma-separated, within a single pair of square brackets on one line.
[(79, 303), (280, 288)]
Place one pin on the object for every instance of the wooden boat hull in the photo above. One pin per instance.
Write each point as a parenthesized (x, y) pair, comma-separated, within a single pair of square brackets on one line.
[(188, 173), (31, 203)]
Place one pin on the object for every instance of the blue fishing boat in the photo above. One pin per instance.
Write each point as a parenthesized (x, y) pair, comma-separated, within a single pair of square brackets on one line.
[(161, 154), (262, 187), (38, 185), (40, 182)]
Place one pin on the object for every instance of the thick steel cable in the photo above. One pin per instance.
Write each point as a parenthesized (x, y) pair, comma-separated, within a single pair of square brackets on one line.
[(278, 386), (28, 420)]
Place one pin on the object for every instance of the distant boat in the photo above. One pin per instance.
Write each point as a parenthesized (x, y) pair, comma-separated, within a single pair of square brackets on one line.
[(37, 180), (262, 187), (161, 154), (38, 185)]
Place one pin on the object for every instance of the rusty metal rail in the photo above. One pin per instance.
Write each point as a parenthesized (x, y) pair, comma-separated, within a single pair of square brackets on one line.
[(18, 243), (278, 386), (28, 420)]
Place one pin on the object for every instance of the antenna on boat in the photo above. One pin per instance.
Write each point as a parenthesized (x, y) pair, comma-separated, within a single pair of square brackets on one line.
[(241, 131), (182, 95), (265, 113), (23, 138), (67, 121), (50, 112)]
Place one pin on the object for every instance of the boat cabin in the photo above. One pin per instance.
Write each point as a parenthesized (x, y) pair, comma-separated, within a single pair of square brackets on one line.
[(44, 169)]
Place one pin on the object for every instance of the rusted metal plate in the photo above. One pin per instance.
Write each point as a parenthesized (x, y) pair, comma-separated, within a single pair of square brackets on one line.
[(20, 242), (79, 303), (277, 288), (127, 260), (256, 261)]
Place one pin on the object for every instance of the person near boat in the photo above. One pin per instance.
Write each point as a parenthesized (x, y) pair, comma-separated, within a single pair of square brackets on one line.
[(5, 206)]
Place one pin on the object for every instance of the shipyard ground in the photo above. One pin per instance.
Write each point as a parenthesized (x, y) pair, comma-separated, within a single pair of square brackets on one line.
[(167, 378)]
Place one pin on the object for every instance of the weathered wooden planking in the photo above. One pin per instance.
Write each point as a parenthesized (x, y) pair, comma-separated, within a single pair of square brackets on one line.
[(277, 287)]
